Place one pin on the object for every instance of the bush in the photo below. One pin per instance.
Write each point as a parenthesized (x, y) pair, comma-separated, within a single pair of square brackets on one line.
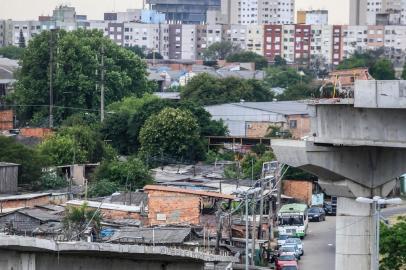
[(102, 188), (51, 180)]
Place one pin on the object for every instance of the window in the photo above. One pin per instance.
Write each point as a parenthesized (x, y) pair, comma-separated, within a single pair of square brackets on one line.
[(293, 124)]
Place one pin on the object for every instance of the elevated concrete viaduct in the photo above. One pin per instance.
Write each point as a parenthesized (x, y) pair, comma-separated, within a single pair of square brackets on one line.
[(357, 147), (26, 253)]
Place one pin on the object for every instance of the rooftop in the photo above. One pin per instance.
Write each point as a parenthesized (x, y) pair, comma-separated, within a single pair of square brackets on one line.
[(107, 206), (23, 196), (281, 107), (7, 164), (189, 191)]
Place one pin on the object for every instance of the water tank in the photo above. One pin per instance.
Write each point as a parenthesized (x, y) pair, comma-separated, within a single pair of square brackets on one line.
[(403, 185)]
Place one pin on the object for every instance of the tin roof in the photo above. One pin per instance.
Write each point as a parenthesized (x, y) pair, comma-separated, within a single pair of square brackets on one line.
[(189, 191)]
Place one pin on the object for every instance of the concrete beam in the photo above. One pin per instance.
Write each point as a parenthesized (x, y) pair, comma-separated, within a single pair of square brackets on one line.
[(370, 167), (103, 249)]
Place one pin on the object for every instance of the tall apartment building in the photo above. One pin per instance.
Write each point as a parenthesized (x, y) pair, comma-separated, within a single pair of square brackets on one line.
[(255, 39), (2, 33), (381, 12), (273, 35), (206, 35), (261, 12), (321, 44), (236, 34), (184, 11), (182, 42), (316, 17), (150, 37), (136, 15)]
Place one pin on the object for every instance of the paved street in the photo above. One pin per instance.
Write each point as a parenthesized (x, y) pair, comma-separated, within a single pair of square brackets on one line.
[(319, 246), (394, 210)]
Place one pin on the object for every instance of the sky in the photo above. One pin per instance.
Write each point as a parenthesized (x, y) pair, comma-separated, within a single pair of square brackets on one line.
[(31, 9)]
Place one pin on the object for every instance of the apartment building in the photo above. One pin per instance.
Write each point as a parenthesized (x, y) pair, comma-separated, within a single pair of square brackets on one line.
[(207, 35), (302, 44), (381, 12), (321, 44), (261, 12), (354, 38), (288, 43), (150, 37), (316, 17), (272, 41), (182, 41), (255, 38), (236, 34), (29, 29)]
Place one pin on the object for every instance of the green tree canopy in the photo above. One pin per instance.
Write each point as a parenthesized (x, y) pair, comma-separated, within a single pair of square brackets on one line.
[(121, 175), (207, 90), (72, 145), (12, 52), (137, 50), (393, 245), (299, 92), (361, 59), (259, 60), (283, 76), (77, 69), (174, 133), (383, 70), (78, 218), (154, 55), (123, 127), (220, 50), (31, 162)]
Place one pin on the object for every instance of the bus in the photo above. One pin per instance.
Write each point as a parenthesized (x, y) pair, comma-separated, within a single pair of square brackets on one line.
[(292, 220)]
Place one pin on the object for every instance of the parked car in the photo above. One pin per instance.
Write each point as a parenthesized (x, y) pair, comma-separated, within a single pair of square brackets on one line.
[(285, 260), (291, 249), (296, 241), (281, 239), (328, 209), (316, 214)]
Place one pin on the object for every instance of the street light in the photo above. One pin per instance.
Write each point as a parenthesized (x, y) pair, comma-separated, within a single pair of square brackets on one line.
[(246, 194), (376, 202)]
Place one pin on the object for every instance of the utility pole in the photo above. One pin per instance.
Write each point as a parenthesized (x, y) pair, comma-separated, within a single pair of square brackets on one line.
[(219, 220), (254, 222), (102, 85), (261, 208), (51, 75), (247, 232)]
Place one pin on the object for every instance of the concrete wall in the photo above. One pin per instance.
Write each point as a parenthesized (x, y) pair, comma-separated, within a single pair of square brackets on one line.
[(301, 190), (13, 260), (173, 208)]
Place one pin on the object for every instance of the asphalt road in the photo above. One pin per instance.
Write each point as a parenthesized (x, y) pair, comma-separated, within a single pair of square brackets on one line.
[(393, 211), (319, 246)]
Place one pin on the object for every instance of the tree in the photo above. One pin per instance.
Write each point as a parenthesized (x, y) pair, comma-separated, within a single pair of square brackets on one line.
[(12, 52), (279, 61), (137, 50), (154, 55), (30, 160), (383, 70), (361, 59), (220, 50), (174, 133), (299, 92), (403, 76), (285, 76), (124, 175), (77, 67), (260, 61), (78, 218), (207, 90), (21, 40), (393, 245), (73, 145)]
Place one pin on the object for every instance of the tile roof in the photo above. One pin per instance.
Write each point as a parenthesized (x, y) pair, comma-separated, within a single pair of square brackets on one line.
[(188, 191)]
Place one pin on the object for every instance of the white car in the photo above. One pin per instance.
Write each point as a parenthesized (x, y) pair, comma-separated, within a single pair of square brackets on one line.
[(281, 239), (296, 241)]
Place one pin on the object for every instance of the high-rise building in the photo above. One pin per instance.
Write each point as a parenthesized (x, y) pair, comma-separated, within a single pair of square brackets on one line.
[(184, 11), (381, 12), (317, 17), (261, 12)]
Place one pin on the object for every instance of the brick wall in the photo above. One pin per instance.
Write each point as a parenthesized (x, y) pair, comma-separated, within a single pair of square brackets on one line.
[(301, 190), (25, 203), (173, 208), (6, 120), (302, 125), (35, 132), (256, 129)]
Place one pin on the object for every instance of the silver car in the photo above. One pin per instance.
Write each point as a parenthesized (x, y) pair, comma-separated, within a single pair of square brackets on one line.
[(296, 241)]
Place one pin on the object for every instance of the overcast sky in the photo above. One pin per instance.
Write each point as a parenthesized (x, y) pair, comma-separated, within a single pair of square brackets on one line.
[(30, 9)]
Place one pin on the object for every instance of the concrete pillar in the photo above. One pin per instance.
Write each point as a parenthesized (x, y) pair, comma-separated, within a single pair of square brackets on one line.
[(354, 235), (27, 261)]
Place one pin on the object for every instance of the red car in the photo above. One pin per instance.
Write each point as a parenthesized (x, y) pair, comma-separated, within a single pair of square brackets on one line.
[(286, 262)]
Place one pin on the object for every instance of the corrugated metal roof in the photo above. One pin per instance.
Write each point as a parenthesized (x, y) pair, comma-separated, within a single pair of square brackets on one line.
[(39, 214), (160, 235), (109, 206), (8, 164), (189, 191), (23, 196), (281, 107)]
